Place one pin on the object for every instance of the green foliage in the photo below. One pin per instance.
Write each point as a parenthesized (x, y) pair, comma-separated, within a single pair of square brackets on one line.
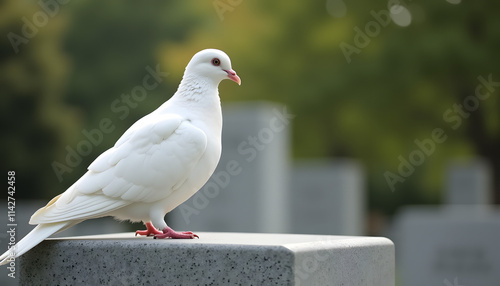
[(34, 120)]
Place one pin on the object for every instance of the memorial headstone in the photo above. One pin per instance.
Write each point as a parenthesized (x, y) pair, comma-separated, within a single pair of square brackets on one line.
[(453, 244), (469, 182), (249, 189), (328, 197), (435, 245), (214, 259)]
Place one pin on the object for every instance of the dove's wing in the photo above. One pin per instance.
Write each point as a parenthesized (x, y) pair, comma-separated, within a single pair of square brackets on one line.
[(151, 160)]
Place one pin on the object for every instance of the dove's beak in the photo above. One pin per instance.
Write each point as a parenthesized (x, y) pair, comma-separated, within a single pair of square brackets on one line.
[(231, 74)]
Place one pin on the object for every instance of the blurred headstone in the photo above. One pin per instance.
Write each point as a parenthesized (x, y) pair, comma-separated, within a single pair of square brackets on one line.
[(328, 197), (248, 191), (469, 182), (435, 245), (438, 245)]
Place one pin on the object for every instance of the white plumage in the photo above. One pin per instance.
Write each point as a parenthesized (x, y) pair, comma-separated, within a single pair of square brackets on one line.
[(158, 163)]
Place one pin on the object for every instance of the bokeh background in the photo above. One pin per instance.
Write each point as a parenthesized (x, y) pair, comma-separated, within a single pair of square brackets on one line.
[(363, 83), (370, 105)]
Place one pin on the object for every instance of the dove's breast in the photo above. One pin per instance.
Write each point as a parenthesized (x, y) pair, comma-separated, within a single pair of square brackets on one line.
[(201, 172), (183, 163)]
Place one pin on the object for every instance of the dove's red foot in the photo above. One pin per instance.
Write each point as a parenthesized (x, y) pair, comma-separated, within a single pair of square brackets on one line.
[(150, 231), (170, 233)]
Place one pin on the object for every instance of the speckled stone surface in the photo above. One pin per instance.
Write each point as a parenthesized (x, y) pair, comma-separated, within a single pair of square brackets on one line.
[(214, 259)]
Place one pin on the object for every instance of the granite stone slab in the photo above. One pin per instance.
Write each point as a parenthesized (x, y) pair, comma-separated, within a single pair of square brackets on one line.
[(213, 259)]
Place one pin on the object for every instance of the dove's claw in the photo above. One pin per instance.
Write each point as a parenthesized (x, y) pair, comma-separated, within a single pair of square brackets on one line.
[(150, 231), (190, 233), (170, 233)]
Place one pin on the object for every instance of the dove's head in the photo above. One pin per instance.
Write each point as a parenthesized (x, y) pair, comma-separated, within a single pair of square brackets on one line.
[(213, 64)]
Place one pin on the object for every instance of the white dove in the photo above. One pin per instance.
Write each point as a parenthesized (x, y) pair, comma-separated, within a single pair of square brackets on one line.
[(157, 164)]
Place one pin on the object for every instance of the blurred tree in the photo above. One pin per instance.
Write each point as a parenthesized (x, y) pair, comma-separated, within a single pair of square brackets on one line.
[(426, 76), (35, 122)]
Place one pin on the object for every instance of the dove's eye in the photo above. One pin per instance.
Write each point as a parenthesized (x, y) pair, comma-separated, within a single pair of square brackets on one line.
[(216, 62)]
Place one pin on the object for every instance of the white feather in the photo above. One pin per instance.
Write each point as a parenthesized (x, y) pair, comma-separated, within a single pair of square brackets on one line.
[(39, 233)]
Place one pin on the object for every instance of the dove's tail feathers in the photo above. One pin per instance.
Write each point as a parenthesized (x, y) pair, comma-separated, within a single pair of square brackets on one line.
[(37, 235)]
